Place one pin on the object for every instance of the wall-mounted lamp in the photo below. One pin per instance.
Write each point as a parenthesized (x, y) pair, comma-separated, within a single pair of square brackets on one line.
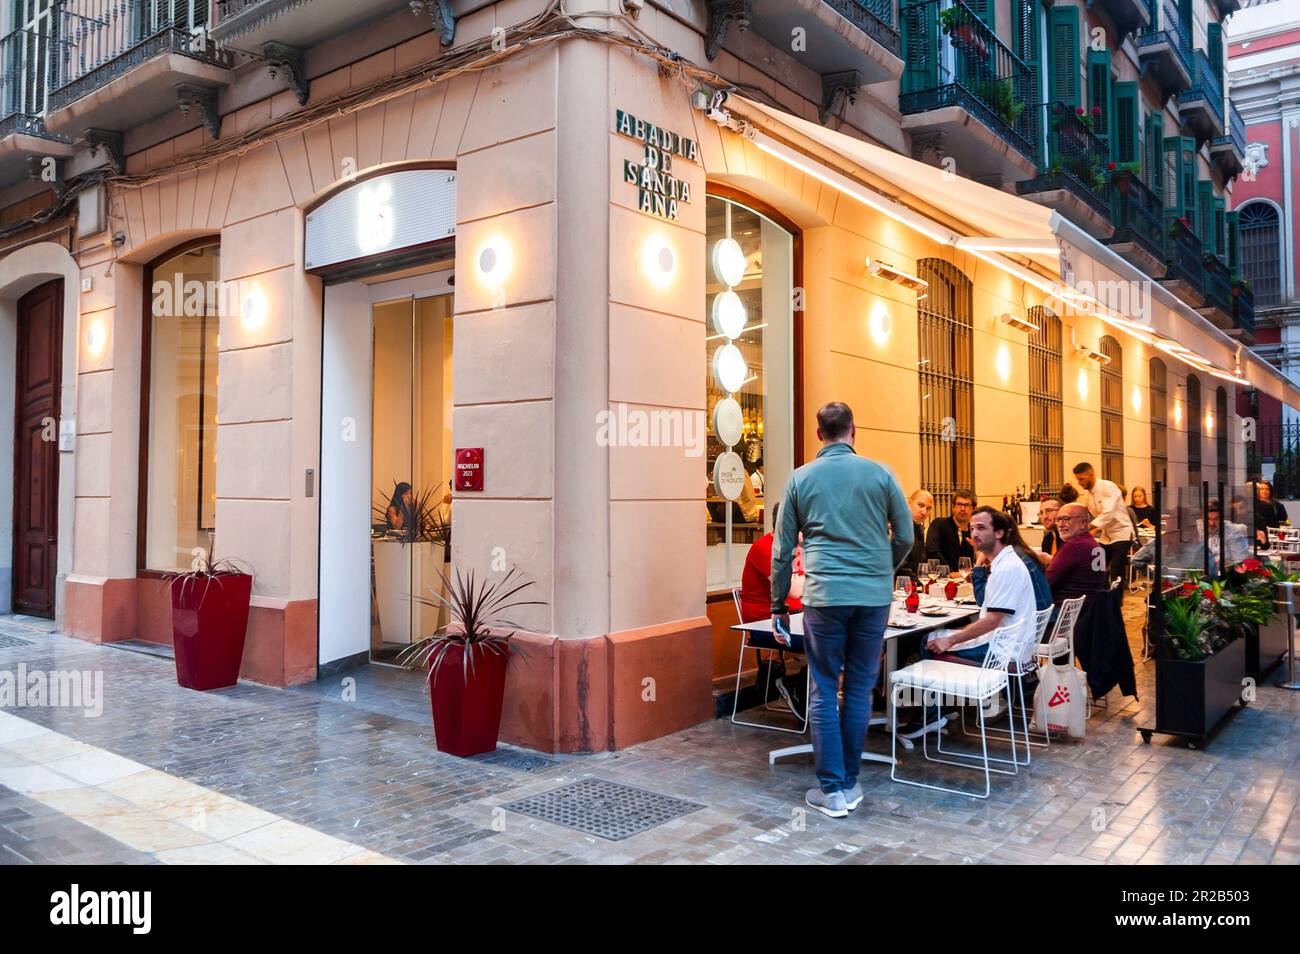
[(96, 337), (879, 269), (494, 262), (729, 262), (1092, 354), (1081, 382), (253, 308), (1209, 422), (729, 368), (1137, 399), (729, 315), (1002, 363), (1020, 324), (658, 260), (879, 324)]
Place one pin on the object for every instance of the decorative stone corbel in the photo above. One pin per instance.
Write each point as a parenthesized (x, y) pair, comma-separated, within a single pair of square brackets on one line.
[(723, 13), (281, 56), (110, 140), (836, 87), (205, 98)]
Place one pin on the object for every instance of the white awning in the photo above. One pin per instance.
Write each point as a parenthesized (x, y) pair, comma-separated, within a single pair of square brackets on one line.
[(1019, 236)]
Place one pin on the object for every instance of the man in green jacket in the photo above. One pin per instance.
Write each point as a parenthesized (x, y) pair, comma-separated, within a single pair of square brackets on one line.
[(856, 529)]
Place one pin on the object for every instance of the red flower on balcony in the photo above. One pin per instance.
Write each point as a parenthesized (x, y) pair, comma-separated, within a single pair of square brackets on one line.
[(1111, 167), (1096, 110), (1078, 110)]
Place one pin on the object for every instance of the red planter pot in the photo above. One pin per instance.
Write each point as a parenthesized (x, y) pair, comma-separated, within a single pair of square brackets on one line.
[(209, 622), (467, 707)]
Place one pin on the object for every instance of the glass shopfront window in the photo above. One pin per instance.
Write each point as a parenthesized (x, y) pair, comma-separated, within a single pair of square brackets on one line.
[(180, 486), (749, 299)]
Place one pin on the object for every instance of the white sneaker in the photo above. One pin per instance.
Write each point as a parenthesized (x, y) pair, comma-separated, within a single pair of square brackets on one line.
[(832, 804), (853, 797)]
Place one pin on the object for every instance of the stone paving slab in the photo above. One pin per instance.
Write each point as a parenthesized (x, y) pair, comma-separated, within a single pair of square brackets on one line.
[(375, 780)]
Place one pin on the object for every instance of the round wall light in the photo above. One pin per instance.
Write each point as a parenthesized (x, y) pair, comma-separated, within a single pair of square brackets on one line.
[(728, 421), (253, 309), (1002, 363), (729, 262), (1082, 383), (1209, 422), (879, 323), (658, 260), (1137, 399), (494, 262), (729, 368), (1178, 414), (729, 315), (96, 337)]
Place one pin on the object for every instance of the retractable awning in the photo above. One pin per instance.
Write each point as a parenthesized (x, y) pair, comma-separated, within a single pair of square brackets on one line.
[(1030, 241)]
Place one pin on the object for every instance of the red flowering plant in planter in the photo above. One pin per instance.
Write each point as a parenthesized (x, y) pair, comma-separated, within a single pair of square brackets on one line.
[(1190, 623), (466, 659)]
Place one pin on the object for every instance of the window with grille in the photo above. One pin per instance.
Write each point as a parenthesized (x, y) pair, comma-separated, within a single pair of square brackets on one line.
[(946, 374), (1159, 420), (1261, 258), (1045, 465), (1193, 431), (1112, 411), (1221, 433)]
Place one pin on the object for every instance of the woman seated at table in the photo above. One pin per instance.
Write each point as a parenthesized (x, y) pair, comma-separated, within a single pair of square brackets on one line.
[(756, 602), (1142, 508)]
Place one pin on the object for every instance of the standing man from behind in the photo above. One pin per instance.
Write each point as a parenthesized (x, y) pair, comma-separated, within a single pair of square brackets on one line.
[(1109, 518), (948, 538), (844, 505)]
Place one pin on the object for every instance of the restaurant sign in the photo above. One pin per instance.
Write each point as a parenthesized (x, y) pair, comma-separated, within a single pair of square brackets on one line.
[(659, 191)]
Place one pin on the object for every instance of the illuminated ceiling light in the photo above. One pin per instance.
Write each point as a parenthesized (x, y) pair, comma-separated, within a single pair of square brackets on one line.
[(494, 262), (1020, 324), (879, 269), (729, 368), (96, 337), (729, 263), (729, 315), (658, 260)]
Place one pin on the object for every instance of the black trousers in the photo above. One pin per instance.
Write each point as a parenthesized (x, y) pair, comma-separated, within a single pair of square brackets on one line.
[(1117, 555)]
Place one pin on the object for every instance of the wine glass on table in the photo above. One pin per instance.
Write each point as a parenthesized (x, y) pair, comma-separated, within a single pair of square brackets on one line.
[(963, 568), (902, 586)]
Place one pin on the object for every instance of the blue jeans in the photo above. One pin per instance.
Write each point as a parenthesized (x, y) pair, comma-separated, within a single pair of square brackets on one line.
[(844, 639)]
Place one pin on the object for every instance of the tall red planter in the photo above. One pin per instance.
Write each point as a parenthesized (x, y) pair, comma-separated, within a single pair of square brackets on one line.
[(467, 709), (209, 622)]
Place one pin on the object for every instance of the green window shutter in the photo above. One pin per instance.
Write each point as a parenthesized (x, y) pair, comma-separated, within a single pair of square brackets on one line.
[(1153, 158), (1064, 47), (1205, 215), (919, 31), (1187, 170), (1126, 130), (985, 10), (1099, 95), (1214, 48), (1220, 228), (1185, 18), (1024, 39), (1234, 260)]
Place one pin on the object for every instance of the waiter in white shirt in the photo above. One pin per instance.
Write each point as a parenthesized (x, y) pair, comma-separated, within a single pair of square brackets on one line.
[(1110, 519)]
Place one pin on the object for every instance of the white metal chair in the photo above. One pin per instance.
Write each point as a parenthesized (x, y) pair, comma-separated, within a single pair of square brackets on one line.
[(747, 643), (936, 680), (1025, 665)]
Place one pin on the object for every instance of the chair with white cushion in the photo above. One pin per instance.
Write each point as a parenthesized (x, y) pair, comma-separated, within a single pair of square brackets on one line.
[(937, 681)]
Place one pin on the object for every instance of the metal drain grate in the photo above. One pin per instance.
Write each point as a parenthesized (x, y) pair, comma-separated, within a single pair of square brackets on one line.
[(12, 642), (605, 809), (517, 760)]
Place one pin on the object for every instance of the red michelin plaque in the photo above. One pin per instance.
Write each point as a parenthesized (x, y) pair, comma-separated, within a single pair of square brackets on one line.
[(469, 468)]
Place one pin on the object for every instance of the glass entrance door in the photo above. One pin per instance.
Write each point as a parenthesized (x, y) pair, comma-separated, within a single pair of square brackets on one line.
[(411, 451)]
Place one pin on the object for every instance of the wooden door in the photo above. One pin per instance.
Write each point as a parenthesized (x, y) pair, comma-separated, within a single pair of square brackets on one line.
[(36, 449)]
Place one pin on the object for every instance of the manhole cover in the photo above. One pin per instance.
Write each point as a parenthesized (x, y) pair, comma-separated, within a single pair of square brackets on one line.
[(12, 642), (605, 809)]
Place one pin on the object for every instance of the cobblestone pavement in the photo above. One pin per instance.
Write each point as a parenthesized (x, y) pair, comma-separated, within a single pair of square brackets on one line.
[(303, 775)]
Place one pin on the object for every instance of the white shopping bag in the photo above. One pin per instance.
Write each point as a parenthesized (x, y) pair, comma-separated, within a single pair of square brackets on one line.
[(1061, 701)]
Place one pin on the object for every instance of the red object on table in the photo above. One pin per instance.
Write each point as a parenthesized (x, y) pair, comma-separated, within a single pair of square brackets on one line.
[(913, 601), (950, 591), (467, 706), (209, 622)]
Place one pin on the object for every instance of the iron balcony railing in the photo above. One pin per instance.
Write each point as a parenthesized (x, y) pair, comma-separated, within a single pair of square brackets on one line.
[(1205, 85), (1075, 157), (1183, 253), (100, 40), (225, 9), (1127, 14), (1217, 283), (25, 71), (1167, 26), (875, 18), (1243, 310), (1137, 215), (952, 59), (1236, 132)]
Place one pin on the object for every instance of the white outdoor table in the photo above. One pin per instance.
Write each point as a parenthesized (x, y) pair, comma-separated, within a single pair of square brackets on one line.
[(956, 614)]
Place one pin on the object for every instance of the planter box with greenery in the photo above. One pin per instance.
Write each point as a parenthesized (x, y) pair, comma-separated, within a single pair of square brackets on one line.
[(466, 660), (1201, 663), (209, 622)]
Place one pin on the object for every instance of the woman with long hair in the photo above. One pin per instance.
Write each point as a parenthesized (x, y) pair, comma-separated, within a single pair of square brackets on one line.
[(401, 509), (1142, 507)]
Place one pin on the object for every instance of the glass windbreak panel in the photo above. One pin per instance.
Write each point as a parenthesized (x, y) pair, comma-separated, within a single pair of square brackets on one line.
[(1241, 530), (181, 488), (753, 330), (1182, 542), (411, 465)]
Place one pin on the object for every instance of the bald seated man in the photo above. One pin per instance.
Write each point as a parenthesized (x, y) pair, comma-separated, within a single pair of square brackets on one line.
[(921, 504), (1079, 567)]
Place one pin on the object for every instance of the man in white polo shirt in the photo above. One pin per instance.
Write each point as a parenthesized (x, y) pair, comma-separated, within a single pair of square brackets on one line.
[(1008, 599)]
